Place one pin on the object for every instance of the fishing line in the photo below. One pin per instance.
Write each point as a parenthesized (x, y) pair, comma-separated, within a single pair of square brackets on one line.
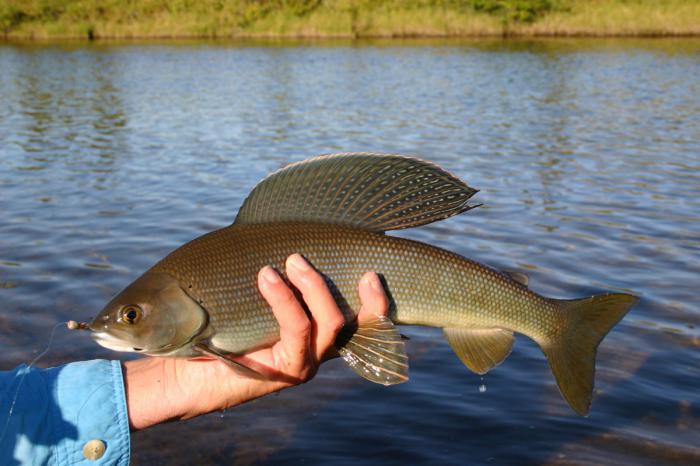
[(21, 380)]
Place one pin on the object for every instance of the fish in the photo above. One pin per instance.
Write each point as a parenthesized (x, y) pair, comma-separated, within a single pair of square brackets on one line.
[(334, 210)]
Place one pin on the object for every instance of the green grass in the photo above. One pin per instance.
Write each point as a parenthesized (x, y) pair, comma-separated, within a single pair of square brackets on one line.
[(619, 18), (94, 19)]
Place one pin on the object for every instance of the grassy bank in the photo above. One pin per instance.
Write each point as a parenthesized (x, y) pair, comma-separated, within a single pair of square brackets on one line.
[(94, 19)]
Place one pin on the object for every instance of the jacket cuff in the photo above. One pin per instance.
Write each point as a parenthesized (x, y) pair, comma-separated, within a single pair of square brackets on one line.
[(89, 416)]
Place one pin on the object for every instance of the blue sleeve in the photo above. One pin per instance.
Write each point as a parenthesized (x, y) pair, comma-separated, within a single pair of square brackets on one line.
[(47, 416)]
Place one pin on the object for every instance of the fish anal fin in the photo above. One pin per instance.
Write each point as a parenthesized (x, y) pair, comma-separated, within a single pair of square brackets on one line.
[(516, 276), (375, 351), (241, 369), (376, 192), (480, 349)]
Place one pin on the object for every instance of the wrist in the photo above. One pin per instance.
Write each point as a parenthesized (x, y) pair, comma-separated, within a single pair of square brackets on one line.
[(146, 383)]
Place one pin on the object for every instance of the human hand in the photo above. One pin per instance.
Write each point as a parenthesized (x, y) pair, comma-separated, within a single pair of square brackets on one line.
[(161, 389)]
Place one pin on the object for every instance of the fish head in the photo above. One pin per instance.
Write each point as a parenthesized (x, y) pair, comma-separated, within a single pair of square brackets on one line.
[(154, 315)]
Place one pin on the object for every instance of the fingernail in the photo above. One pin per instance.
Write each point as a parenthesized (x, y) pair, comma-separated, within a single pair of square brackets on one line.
[(270, 276), (375, 283), (298, 262)]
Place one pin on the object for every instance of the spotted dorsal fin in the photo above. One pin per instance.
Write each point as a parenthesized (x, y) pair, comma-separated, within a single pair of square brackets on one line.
[(376, 192)]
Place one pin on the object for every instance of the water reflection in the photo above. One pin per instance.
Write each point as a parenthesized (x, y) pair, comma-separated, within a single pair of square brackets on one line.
[(585, 154), (69, 114)]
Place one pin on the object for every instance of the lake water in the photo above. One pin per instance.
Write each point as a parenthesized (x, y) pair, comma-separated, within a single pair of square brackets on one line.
[(587, 154)]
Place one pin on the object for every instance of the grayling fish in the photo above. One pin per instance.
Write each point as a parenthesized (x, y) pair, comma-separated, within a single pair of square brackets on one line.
[(202, 299)]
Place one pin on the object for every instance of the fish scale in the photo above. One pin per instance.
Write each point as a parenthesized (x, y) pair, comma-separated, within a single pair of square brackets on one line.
[(428, 286), (202, 299)]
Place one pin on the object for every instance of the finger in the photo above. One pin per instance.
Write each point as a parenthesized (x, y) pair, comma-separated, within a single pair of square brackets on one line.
[(295, 327), (373, 298), (327, 319)]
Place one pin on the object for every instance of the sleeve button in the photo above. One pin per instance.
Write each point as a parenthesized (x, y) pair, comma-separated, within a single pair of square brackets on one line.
[(94, 449)]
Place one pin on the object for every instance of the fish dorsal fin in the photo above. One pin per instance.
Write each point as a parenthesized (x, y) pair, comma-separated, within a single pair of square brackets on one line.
[(480, 349), (377, 192), (517, 276)]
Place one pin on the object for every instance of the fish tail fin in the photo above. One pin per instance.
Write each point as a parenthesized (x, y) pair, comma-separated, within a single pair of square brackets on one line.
[(571, 353)]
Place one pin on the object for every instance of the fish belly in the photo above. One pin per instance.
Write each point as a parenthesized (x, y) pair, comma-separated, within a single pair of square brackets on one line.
[(427, 285)]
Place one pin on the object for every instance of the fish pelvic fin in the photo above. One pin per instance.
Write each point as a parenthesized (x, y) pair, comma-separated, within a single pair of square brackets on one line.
[(375, 351), (376, 192), (480, 349), (571, 354)]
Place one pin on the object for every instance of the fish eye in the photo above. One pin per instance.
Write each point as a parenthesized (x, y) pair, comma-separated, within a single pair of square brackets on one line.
[(131, 314)]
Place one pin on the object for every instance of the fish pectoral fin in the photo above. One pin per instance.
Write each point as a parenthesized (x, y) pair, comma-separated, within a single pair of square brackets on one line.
[(516, 276), (480, 349), (241, 369), (375, 351)]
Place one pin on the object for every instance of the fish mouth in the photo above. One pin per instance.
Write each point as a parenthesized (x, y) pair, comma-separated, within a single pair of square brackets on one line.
[(114, 343)]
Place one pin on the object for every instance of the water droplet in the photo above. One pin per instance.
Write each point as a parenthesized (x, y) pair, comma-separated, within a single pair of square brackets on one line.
[(482, 388)]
